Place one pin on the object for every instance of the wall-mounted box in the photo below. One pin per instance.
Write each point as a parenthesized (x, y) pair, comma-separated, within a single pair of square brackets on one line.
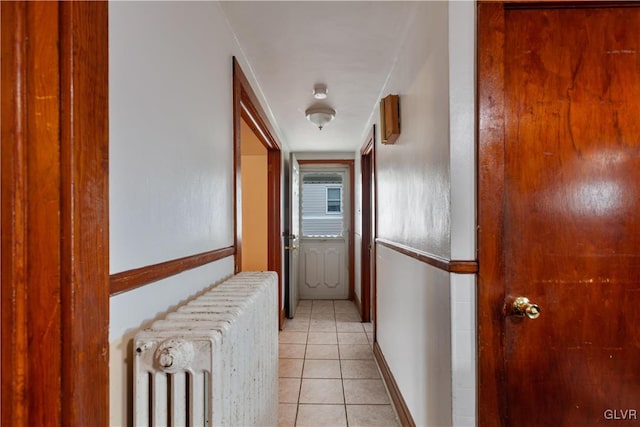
[(390, 119)]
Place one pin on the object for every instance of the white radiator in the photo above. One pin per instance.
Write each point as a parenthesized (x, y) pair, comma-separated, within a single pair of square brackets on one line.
[(213, 361)]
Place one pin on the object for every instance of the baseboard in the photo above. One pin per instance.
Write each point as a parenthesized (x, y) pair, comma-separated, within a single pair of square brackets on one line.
[(398, 401)]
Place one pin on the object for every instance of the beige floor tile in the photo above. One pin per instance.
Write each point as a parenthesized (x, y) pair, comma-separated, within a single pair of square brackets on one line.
[(287, 414), (347, 317), (322, 303), (322, 309), (323, 316), (303, 314), (349, 326), (321, 369), (325, 360), (362, 369), (352, 338), (292, 337), (365, 392), (371, 416), (296, 325), (288, 390), (321, 391), (322, 338), (321, 416), (344, 306), (290, 368), (355, 351), (322, 326), (291, 351), (322, 351)]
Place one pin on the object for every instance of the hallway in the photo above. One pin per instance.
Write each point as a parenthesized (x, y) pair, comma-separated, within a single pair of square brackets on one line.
[(328, 376)]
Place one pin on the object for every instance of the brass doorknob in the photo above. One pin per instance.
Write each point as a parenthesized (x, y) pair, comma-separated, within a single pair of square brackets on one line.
[(523, 307), (291, 248)]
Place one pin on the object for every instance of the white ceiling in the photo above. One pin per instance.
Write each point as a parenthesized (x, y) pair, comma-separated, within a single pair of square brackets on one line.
[(349, 46)]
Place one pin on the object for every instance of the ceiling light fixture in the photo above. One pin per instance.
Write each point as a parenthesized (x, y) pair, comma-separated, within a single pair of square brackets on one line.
[(320, 116), (320, 91)]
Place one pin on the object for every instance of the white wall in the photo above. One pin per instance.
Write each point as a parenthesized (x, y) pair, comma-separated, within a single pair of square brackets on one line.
[(413, 174), (170, 131), (426, 201), (463, 203), (413, 300), (171, 159), (418, 353)]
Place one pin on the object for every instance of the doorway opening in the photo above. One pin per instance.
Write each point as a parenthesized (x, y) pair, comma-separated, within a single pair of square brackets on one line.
[(322, 262), (255, 235), (323, 244), (248, 113)]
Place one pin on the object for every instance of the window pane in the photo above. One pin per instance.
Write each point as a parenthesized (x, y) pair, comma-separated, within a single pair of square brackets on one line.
[(334, 200), (321, 204), (333, 194), (333, 206)]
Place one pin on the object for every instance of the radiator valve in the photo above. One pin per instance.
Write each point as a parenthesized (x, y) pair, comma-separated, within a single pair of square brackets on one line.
[(174, 355)]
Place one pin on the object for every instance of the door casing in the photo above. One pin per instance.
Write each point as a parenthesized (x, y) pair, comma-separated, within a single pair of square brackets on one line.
[(55, 216), (367, 252), (351, 252), (247, 107)]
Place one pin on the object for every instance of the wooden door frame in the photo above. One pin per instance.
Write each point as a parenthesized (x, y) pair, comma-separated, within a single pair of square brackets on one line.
[(367, 262), (350, 164), (55, 234), (246, 106), (490, 292)]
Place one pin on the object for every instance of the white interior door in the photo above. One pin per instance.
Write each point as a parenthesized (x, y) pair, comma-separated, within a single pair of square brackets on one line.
[(294, 237), (325, 225)]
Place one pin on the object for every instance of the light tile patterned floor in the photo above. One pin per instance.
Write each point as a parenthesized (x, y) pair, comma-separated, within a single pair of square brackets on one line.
[(328, 376)]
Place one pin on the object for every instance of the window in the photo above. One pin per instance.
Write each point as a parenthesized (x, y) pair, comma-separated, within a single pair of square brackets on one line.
[(334, 200), (321, 207)]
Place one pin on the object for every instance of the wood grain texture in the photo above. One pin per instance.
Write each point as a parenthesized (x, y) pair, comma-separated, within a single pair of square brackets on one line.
[(490, 87), (43, 219), (84, 53), (31, 277), (54, 214), (558, 200), (274, 224), (572, 197), (132, 279), (451, 266), (406, 420)]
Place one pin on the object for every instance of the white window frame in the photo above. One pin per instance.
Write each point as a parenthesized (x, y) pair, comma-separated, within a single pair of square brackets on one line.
[(333, 200)]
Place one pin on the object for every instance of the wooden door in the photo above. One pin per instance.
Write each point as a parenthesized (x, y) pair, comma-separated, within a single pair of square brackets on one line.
[(559, 214)]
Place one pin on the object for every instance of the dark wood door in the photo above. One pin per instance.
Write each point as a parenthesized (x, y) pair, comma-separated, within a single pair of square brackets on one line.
[(559, 214)]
